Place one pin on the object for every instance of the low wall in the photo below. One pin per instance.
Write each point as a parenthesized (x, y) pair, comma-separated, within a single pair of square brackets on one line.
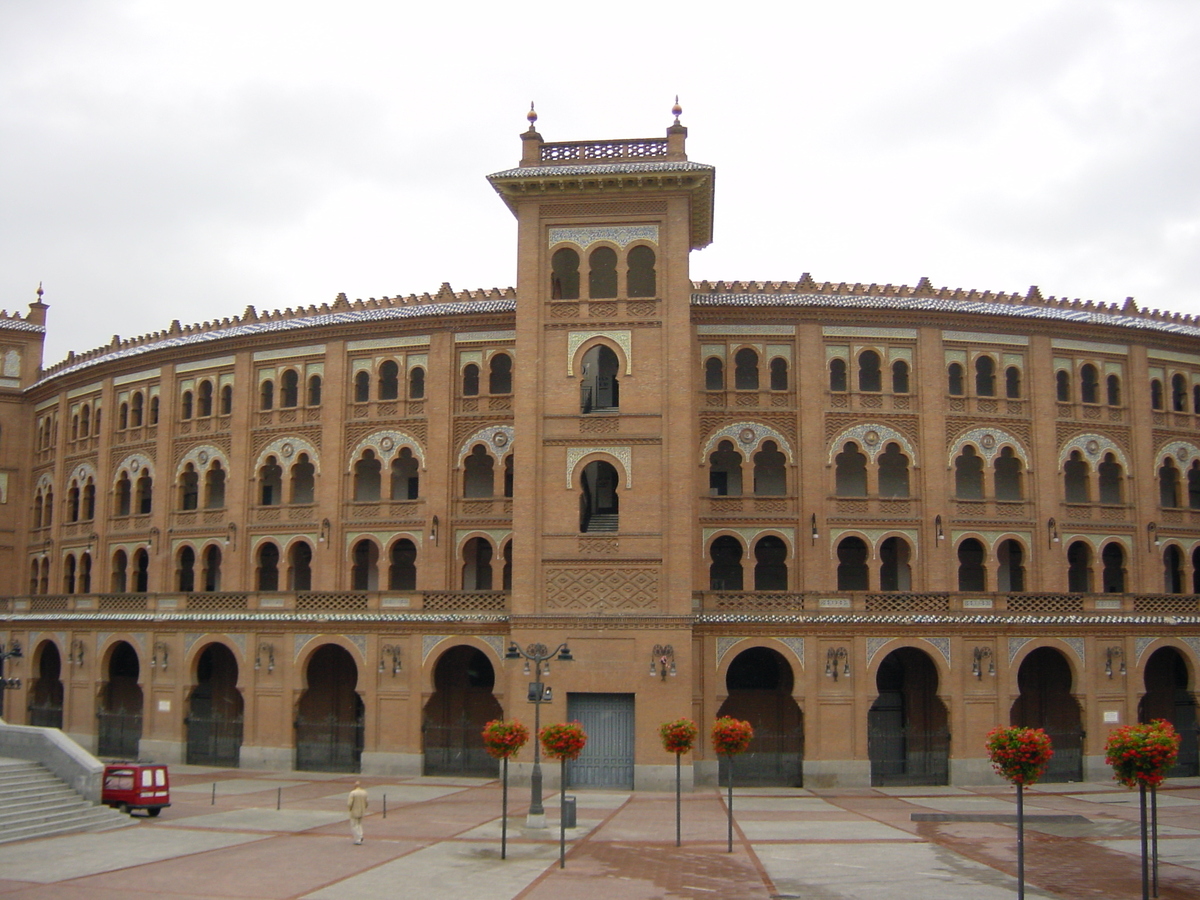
[(58, 753)]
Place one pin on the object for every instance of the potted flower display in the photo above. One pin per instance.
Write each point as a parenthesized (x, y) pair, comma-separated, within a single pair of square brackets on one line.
[(563, 741), (1020, 755), (729, 738), (678, 737), (503, 739)]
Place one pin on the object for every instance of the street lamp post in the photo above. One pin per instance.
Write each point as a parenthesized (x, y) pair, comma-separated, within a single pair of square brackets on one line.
[(539, 693), (13, 651)]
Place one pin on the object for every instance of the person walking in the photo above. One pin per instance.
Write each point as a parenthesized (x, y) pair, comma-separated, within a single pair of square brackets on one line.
[(357, 804)]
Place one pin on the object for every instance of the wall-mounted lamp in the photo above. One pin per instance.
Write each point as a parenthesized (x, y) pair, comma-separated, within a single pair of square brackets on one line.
[(1152, 538), (1051, 532), (160, 655), (815, 534), (75, 654), (662, 661), (1110, 654), (269, 650), (92, 538), (323, 535), (977, 658), (231, 535), (835, 658), (433, 530), (938, 534), (392, 650), (155, 544)]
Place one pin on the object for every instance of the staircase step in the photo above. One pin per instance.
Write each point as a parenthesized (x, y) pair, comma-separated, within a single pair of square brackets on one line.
[(35, 803)]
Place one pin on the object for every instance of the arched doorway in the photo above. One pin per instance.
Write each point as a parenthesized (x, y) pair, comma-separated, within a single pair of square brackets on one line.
[(759, 684), (214, 719), (119, 719), (46, 694), (1045, 681), (462, 703), (330, 715), (907, 736), (1167, 697)]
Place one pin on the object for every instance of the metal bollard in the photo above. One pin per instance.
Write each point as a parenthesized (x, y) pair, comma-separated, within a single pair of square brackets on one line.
[(385, 806), (568, 812), (213, 801)]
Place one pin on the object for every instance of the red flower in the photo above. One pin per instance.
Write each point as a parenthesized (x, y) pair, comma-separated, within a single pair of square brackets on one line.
[(1142, 754), (503, 739), (679, 735), (563, 741), (1019, 754), (731, 736)]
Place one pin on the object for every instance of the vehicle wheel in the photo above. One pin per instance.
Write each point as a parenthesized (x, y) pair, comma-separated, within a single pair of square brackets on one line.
[(154, 811), (124, 807)]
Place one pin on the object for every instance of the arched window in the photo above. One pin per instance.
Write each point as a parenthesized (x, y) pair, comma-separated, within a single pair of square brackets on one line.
[(770, 564), (1010, 568), (314, 390), (1179, 393), (214, 486), (600, 388), (779, 374), (85, 574), (602, 273), (368, 477), (185, 408), (968, 475), (955, 386), (402, 573), (1172, 570), (389, 380), (1114, 390), (189, 488), (69, 574), (270, 482), (1079, 568), (212, 568), (1195, 398), (500, 379), (745, 370), (770, 474), (267, 574), (852, 573), (506, 572), (642, 280), (144, 497), (204, 401), (416, 384), (89, 500), (478, 480), (869, 378), (1112, 575), (893, 472), (226, 401), (725, 471), (972, 573), (299, 575), (1076, 479), (895, 569), (725, 568), (73, 503), (123, 416), (186, 572), (900, 377), (1111, 480), (38, 505), (48, 519), (1062, 386), (564, 274), (985, 377), (1008, 476), (714, 374), (508, 475), (289, 389), (1168, 484), (304, 480), (362, 387), (120, 572), (141, 571), (850, 472), (599, 500), (1194, 486), (1089, 384), (405, 483), (1156, 394), (123, 496), (837, 375), (85, 416), (266, 395), (470, 383), (1012, 383), (477, 565)]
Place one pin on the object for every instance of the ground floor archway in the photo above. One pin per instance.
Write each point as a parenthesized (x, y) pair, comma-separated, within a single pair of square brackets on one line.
[(759, 683), (45, 708), (119, 714), (1168, 697), (461, 704), (1046, 702), (214, 717), (908, 740), (330, 715)]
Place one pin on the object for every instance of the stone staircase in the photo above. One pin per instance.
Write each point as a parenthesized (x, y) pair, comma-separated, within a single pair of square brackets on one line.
[(35, 803), (603, 522)]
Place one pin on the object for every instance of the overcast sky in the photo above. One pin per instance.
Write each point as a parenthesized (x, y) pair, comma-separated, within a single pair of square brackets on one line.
[(163, 160)]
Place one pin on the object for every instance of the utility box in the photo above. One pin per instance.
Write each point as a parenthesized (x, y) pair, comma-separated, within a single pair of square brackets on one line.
[(568, 812)]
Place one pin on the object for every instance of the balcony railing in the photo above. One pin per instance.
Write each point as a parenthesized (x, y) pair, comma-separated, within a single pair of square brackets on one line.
[(939, 602), (480, 602)]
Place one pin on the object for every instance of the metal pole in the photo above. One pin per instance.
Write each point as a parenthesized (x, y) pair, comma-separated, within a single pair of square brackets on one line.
[(535, 782), (1145, 854), (385, 806), (213, 802), (1153, 841), (677, 798), (278, 798), (504, 814), (562, 809), (730, 803), (1020, 841)]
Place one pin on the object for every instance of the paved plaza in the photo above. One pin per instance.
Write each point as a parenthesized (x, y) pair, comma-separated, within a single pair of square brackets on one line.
[(441, 839)]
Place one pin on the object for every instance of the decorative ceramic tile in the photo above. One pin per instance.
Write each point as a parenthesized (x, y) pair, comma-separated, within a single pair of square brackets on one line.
[(623, 454), (989, 442), (286, 451), (623, 339), (1093, 447), (386, 446), (621, 235), (747, 437), (871, 438), (497, 438)]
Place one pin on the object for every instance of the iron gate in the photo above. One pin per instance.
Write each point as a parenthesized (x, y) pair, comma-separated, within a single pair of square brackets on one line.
[(775, 759), (607, 760), (213, 741), (457, 749), (902, 755), (1067, 762), (328, 745), (118, 734), (46, 715)]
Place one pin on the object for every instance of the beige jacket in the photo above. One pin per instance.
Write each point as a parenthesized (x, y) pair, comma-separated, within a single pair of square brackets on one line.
[(357, 803)]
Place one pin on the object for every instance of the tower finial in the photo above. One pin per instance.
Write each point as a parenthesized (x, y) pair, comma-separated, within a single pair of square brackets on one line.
[(40, 292), (532, 117), (677, 110)]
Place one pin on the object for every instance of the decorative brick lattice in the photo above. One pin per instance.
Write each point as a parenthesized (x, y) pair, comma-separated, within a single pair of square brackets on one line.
[(217, 601), (564, 310), (598, 546), (122, 602), (758, 601), (908, 602), (49, 604), (332, 601), (1165, 603), (602, 310), (466, 601), (602, 588), (610, 208), (1045, 603), (602, 425), (642, 310)]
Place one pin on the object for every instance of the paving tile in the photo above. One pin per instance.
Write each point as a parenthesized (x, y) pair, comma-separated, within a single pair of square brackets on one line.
[(256, 819), (233, 786)]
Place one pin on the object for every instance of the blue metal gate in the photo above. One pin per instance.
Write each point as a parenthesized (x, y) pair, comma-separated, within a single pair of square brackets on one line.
[(607, 760)]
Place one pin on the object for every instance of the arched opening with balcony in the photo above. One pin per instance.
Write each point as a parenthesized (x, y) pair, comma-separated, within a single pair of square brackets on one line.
[(600, 388), (725, 471), (185, 570), (477, 565), (368, 477), (725, 564), (714, 374), (770, 472), (416, 383), (1008, 475), (1012, 383), (1112, 481), (900, 377), (837, 375), (770, 564), (1112, 568), (461, 704), (955, 382), (599, 498), (478, 477), (405, 476), (119, 718), (1077, 479), (1113, 385), (850, 472), (299, 570), (759, 684), (985, 377), (211, 572), (215, 710), (908, 737), (304, 480), (779, 374), (972, 571), (870, 379), (1179, 393), (602, 274), (895, 565), (141, 571), (1168, 484), (500, 378), (1089, 384), (330, 716), (389, 380), (289, 390), (402, 569), (968, 474), (642, 280), (852, 571), (270, 482), (45, 704), (1079, 567), (267, 571), (745, 370), (1172, 570), (1010, 567), (1169, 696), (564, 274), (893, 472), (1046, 701), (364, 566)]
